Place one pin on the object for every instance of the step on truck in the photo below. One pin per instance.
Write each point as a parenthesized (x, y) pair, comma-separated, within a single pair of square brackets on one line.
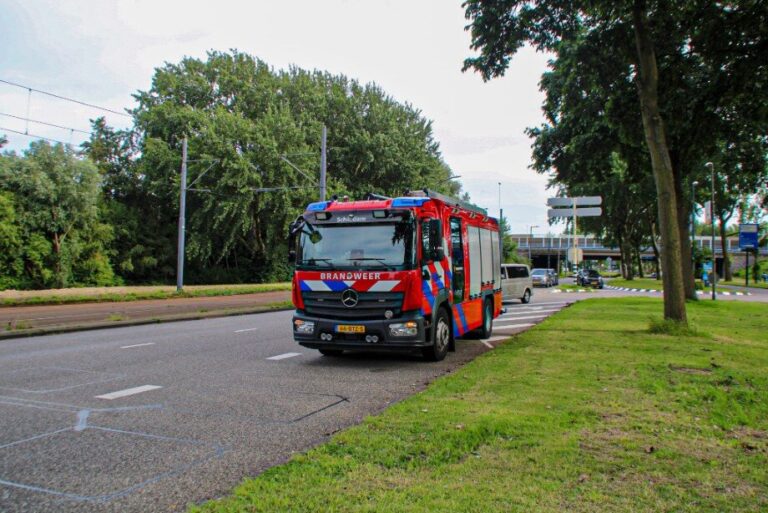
[(408, 273)]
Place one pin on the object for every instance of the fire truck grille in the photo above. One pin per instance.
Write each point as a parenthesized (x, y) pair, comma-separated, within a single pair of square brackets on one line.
[(370, 305)]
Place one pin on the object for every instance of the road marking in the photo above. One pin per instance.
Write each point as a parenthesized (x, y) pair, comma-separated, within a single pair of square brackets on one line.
[(532, 312), (138, 345), (283, 356), (508, 326), (247, 329), (128, 391), (496, 339), (523, 318), (486, 344)]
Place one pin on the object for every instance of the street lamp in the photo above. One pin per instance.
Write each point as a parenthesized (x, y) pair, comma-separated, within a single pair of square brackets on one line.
[(693, 228), (711, 167), (530, 236)]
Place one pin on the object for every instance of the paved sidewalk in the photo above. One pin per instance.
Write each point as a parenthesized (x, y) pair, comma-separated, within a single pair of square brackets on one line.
[(18, 321)]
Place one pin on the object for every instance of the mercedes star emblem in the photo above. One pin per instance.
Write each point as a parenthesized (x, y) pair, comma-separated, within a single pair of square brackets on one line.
[(349, 298)]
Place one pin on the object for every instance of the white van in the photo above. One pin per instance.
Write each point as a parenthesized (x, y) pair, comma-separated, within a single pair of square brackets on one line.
[(516, 282)]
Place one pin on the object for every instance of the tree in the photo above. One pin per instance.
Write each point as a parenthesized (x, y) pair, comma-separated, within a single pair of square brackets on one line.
[(55, 198), (666, 52)]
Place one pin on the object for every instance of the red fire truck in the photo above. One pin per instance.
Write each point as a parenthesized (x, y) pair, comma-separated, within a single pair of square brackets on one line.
[(413, 272)]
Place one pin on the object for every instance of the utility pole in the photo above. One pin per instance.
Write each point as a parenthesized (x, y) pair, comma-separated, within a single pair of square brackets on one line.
[(693, 228), (182, 215), (323, 163), (711, 167)]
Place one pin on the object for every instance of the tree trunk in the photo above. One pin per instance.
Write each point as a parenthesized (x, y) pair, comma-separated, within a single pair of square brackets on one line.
[(639, 257), (656, 254), (727, 274), (626, 259), (655, 136)]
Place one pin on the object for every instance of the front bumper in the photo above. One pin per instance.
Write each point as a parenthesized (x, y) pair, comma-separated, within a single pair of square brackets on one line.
[(378, 328)]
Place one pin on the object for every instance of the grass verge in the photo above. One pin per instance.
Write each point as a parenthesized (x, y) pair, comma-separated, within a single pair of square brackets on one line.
[(578, 288), (100, 295), (637, 283), (586, 412)]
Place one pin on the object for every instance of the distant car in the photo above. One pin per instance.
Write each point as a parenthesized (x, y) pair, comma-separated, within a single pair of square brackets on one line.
[(541, 278), (516, 282), (592, 278), (554, 279)]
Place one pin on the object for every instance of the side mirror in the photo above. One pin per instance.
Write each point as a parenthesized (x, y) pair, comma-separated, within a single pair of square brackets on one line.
[(291, 256)]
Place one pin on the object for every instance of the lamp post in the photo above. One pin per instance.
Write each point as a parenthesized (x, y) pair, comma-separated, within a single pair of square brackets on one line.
[(530, 236), (711, 167), (693, 228)]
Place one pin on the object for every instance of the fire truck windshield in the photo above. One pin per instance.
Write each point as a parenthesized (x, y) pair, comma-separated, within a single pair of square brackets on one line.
[(387, 246)]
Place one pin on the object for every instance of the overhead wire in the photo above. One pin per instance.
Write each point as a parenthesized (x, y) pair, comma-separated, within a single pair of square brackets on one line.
[(34, 136), (45, 123), (60, 97)]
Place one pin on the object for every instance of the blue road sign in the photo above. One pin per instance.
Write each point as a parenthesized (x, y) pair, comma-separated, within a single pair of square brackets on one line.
[(748, 235)]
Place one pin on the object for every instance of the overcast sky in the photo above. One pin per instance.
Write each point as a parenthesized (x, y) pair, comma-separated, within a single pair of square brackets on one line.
[(102, 51)]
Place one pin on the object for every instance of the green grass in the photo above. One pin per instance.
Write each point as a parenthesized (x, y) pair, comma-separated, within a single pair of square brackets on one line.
[(637, 283), (52, 297), (575, 287), (588, 411)]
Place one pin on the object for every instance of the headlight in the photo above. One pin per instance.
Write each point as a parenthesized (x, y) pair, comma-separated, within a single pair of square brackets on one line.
[(306, 327), (404, 329)]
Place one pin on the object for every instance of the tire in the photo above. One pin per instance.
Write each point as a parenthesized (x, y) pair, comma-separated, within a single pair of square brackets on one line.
[(526, 297), (486, 329), (441, 338), (330, 352)]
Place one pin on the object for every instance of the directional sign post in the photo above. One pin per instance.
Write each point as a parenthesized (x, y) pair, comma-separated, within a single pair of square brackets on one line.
[(748, 242), (573, 211)]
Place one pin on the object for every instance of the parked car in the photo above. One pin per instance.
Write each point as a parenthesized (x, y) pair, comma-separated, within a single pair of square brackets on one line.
[(592, 278), (516, 282), (554, 279), (540, 278)]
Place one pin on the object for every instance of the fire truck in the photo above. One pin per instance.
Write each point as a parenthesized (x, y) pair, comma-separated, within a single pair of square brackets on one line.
[(408, 273)]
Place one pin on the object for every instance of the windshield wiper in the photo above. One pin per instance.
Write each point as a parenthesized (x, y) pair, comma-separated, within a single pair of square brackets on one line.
[(382, 261), (314, 261)]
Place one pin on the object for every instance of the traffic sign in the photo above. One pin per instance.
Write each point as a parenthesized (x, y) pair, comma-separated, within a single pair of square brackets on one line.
[(580, 212), (748, 235), (579, 200)]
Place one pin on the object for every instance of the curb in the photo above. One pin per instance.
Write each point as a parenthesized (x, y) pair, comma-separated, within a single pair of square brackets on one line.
[(698, 292), (55, 330)]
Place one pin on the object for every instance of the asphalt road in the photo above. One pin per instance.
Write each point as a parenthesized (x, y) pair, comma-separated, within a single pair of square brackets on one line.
[(151, 418)]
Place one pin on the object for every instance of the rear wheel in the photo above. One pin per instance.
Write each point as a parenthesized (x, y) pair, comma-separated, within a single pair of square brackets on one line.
[(441, 338), (330, 352), (526, 297), (487, 328)]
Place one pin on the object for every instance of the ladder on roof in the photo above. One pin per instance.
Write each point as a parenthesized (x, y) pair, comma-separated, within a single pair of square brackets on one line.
[(448, 200)]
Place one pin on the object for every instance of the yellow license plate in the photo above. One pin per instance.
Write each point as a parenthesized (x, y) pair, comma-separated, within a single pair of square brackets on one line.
[(350, 328)]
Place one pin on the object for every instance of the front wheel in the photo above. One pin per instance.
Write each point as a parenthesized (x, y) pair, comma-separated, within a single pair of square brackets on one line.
[(526, 297), (441, 338)]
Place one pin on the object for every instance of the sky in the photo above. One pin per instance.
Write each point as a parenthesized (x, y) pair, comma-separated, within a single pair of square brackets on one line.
[(101, 52)]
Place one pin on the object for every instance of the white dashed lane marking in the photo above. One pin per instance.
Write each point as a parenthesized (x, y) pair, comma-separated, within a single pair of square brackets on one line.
[(127, 392), (247, 329), (138, 345), (283, 356), (512, 326)]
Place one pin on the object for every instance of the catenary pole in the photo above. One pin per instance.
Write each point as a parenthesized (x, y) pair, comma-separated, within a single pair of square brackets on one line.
[(323, 163), (182, 215)]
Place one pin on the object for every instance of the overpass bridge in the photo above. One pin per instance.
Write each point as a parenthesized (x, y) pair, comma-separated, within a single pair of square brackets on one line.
[(549, 250)]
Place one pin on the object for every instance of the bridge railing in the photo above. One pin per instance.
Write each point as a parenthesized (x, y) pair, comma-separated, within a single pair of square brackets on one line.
[(563, 242)]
